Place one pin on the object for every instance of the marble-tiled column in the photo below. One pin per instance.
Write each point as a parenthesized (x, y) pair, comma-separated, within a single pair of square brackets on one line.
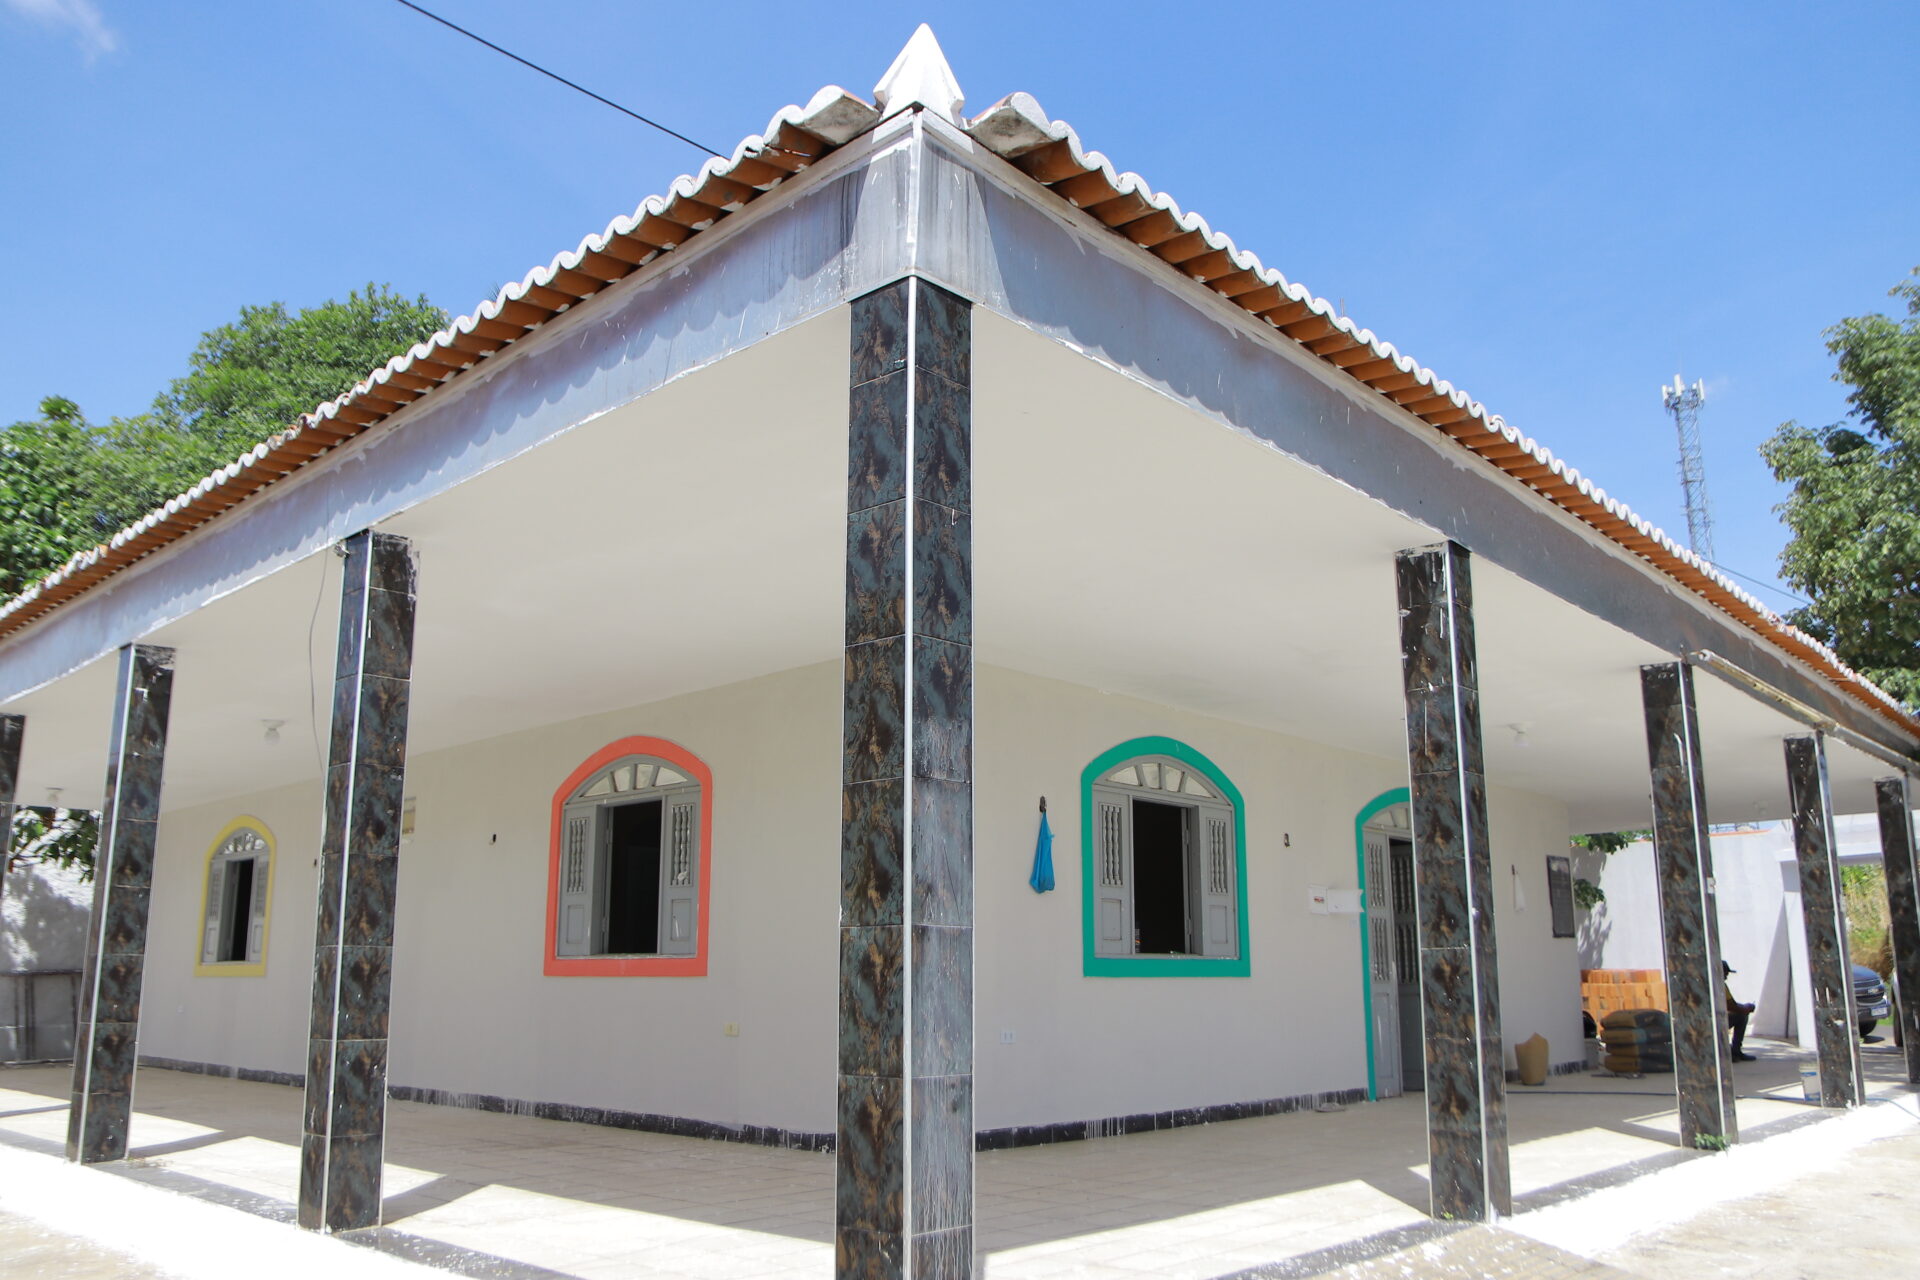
[(1466, 1083), (345, 1125), (13, 730), (1689, 914), (107, 1020), (1903, 909), (1836, 1037), (904, 1181)]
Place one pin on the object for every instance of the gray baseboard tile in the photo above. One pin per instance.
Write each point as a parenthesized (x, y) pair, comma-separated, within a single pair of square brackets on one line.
[(771, 1136), (1150, 1121), (612, 1118), (257, 1075)]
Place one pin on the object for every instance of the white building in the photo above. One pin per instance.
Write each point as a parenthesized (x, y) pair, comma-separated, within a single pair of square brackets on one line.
[(777, 552), (1762, 930)]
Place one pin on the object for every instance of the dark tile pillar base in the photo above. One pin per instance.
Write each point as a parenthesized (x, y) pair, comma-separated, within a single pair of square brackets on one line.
[(1836, 1038), (1453, 884), (1689, 916), (345, 1123), (904, 1165), (107, 1020), (1903, 910)]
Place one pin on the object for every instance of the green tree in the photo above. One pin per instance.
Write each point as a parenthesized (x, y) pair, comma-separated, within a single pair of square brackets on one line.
[(253, 377), (1854, 508), (46, 475), (67, 484)]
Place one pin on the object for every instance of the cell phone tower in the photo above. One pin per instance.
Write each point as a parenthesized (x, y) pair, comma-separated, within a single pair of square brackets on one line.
[(1684, 402)]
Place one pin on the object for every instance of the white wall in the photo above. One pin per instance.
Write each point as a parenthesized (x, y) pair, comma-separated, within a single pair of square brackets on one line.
[(43, 917), (43, 926), (1094, 1047), (473, 1012)]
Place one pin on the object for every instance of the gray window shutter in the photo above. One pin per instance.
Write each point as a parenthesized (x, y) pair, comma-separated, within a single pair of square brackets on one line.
[(1216, 877), (1112, 819), (216, 898), (257, 913), (1381, 979), (575, 927), (1379, 910), (679, 873)]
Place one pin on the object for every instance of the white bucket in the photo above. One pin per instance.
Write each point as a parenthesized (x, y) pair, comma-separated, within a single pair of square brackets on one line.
[(1810, 1083)]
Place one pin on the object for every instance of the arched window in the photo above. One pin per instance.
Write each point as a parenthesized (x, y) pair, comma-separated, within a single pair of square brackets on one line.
[(629, 875), (1164, 863), (237, 892)]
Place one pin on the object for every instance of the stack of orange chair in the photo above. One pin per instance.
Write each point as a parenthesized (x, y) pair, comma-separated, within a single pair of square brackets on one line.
[(1605, 991)]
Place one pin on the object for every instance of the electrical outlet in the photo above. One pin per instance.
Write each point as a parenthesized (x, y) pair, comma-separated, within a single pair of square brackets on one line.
[(1006, 1037), (731, 1029)]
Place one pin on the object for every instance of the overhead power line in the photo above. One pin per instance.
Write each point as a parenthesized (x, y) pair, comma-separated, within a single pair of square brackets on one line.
[(534, 66)]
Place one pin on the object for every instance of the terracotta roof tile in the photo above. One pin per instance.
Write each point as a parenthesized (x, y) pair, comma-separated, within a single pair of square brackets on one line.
[(1051, 153)]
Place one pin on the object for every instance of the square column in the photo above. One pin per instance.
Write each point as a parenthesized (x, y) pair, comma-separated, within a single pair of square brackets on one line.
[(107, 1021), (1836, 1033), (1689, 914), (13, 730), (1453, 888), (345, 1127), (1903, 910), (903, 1203)]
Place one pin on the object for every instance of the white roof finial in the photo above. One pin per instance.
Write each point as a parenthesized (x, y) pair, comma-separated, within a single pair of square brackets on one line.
[(921, 74)]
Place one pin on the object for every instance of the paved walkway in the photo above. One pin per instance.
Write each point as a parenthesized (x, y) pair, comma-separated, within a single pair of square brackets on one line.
[(1859, 1220), (30, 1248), (524, 1199)]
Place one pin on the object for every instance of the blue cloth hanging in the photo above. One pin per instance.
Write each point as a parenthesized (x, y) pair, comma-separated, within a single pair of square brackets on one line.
[(1042, 877)]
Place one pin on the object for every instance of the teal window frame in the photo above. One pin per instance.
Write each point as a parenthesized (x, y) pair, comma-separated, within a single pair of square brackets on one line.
[(1095, 966)]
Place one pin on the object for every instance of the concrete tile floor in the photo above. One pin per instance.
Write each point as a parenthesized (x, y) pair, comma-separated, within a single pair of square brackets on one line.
[(467, 1189)]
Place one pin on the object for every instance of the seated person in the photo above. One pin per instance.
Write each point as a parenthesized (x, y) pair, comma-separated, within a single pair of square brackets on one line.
[(1737, 1015)]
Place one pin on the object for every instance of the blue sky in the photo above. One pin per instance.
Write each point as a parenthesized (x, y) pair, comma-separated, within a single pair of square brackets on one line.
[(1557, 207)]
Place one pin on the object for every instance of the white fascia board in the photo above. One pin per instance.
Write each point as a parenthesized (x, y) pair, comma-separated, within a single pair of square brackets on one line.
[(988, 232)]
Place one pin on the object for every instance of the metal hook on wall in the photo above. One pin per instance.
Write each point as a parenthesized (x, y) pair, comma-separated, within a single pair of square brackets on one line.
[(1043, 804)]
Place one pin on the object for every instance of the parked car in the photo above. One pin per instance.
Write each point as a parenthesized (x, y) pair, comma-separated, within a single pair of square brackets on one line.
[(1870, 998)]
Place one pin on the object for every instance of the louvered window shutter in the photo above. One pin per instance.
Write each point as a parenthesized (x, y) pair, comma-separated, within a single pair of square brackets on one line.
[(1379, 908), (1216, 876), (216, 899), (1112, 819), (257, 912), (679, 873), (574, 927)]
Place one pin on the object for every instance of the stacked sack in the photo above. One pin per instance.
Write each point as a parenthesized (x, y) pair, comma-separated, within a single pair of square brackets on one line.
[(1637, 1041)]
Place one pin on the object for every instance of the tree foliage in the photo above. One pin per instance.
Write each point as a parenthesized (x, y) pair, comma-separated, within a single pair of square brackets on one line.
[(253, 377), (1854, 508), (1609, 841), (67, 484), (56, 837)]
